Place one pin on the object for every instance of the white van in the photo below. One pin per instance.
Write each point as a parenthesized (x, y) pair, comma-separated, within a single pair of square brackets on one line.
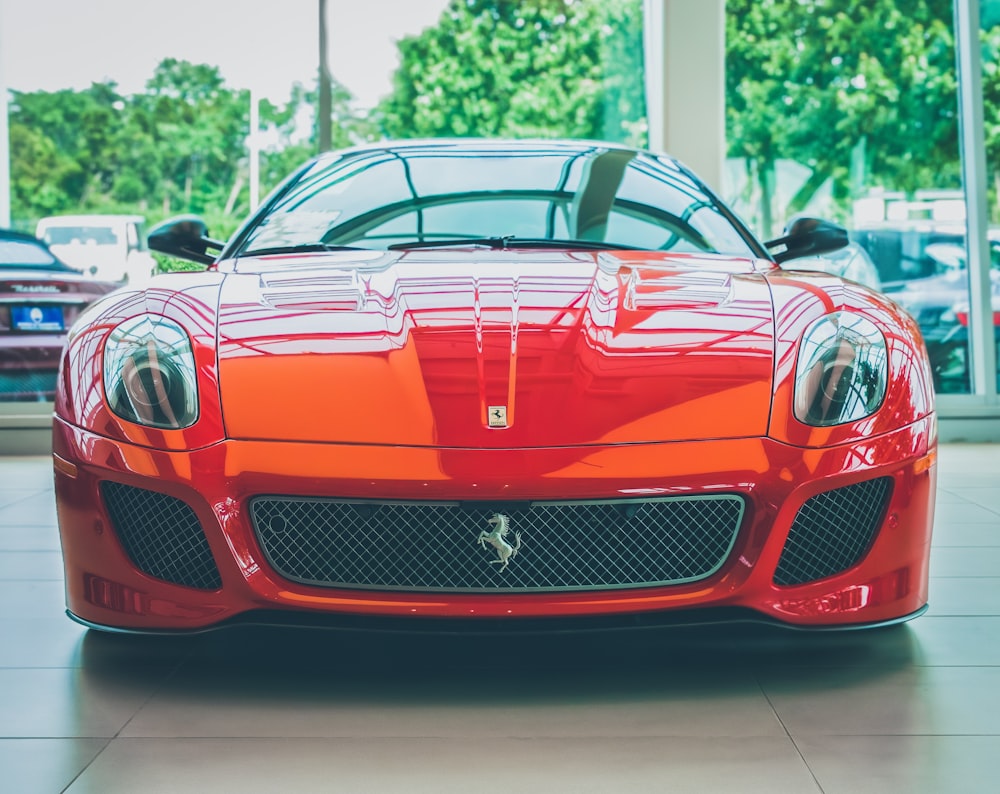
[(106, 247)]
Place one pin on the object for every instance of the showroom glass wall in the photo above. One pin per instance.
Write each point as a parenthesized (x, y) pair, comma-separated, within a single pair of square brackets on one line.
[(537, 69), (872, 114), (847, 109), (978, 24)]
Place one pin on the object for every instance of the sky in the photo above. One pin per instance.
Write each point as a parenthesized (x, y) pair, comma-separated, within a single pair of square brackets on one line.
[(54, 44)]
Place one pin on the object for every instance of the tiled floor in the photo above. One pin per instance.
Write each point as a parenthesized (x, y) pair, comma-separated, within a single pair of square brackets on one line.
[(910, 709)]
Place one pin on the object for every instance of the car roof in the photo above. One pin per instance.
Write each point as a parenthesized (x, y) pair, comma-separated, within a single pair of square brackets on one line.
[(498, 145), (11, 234), (30, 239)]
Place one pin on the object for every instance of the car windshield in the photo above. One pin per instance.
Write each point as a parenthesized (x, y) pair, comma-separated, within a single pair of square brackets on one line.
[(417, 195), (26, 254)]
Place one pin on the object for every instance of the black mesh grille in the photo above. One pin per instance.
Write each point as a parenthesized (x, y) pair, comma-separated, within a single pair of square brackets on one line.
[(433, 546), (161, 535), (832, 532)]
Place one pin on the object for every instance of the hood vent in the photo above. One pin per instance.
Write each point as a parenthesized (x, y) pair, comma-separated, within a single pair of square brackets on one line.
[(685, 290), (329, 291)]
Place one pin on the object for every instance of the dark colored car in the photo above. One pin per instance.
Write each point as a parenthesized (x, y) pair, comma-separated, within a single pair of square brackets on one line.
[(40, 298), (923, 268)]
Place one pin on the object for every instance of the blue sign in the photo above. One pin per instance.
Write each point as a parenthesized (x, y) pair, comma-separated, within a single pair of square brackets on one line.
[(36, 318)]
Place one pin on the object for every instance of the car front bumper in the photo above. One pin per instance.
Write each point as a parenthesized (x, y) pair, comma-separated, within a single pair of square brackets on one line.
[(217, 485)]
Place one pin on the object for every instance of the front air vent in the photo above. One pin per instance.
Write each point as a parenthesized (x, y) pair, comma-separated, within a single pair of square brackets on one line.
[(833, 531), (161, 535)]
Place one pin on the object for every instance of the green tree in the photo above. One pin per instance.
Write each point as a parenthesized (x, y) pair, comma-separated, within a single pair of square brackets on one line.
[(863, 92), (194, 129), (523, 69), (991, 104), (178, 146), (63, 147), (282, 124)]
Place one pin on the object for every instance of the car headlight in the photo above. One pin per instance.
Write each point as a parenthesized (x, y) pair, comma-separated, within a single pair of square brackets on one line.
[(149, 373), (842, 370)]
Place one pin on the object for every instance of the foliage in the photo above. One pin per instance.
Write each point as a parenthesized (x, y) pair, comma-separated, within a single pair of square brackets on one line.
[(546, 68), (180, 146), (861, 91)]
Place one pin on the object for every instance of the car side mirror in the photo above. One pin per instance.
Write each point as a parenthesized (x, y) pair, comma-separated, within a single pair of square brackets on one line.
[(185, 237), (807, 237)]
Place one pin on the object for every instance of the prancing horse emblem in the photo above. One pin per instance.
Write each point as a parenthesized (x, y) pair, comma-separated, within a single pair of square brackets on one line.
[(505, 552)]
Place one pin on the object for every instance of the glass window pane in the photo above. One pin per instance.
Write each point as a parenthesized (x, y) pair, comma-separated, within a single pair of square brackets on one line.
[(990, 36), (855, 118)]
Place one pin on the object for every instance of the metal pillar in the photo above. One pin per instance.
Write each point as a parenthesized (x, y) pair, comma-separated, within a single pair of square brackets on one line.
[(982, 347), (325, 109), (4, 139), (685, 46)]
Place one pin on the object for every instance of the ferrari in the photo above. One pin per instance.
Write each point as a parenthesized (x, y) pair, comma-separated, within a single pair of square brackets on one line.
[(465, 385)]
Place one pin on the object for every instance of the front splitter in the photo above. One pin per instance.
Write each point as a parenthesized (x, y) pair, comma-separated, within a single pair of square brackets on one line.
[(651, 621)]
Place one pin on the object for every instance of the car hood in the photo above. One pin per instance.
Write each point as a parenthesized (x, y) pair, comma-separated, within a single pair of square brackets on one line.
[(421, 348)]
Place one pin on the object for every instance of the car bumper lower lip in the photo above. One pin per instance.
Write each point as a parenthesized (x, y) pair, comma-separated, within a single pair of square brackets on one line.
[(464, 627), (105, 589)]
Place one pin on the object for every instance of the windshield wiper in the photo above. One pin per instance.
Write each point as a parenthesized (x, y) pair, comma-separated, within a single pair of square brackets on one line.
[(586, 245), (301, 248), (491, 242), (503, 243)]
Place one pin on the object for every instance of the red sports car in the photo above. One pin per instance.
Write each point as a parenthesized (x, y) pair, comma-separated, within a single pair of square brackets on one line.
[(494, 384), (40, 297)]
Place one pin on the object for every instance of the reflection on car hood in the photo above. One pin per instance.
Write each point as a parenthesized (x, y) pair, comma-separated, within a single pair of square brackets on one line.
[(419, 348)]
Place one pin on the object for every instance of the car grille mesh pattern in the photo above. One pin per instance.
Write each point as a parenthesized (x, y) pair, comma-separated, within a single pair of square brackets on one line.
[(161, 535), (832, 532), (433, 546)]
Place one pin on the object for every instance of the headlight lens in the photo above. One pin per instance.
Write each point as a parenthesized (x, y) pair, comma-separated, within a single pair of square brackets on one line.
[(149, 373), (842, 370)]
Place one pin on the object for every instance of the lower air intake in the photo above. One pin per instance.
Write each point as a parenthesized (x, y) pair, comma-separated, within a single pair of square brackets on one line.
[(833, 531), (161, 535), (436, 546)]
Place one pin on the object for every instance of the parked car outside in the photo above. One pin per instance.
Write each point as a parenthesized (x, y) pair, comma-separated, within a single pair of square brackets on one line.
[(925, 271), (105, 247), (40, 297), (851, 262)]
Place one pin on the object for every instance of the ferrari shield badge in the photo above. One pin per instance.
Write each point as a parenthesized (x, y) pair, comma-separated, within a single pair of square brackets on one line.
[(497, 538), (497, 416)]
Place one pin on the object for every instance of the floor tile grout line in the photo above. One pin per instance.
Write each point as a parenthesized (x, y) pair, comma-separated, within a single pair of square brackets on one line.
[(87, 766), (124, 725), (967, 576), (788, 733), (31, 495), (181, 660), (905, 735)]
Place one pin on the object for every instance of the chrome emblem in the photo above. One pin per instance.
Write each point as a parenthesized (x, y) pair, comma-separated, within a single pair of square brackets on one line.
[(497, 416), (496, 538)]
